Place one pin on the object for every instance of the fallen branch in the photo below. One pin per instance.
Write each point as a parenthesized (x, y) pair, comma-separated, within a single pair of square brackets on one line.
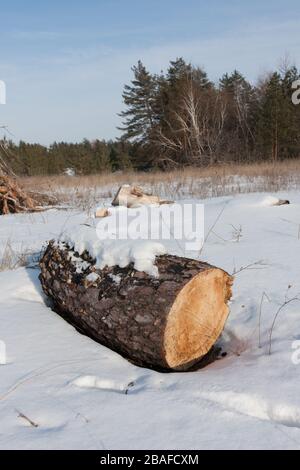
[(13, 199)]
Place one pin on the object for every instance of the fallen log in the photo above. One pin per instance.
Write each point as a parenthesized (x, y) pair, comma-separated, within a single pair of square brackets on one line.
[(166, 323), (134, 196)]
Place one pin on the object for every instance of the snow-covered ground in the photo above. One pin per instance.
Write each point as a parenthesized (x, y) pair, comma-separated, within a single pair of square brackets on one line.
[(80, 395)]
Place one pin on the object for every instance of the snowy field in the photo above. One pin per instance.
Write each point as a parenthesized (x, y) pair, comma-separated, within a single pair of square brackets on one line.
[(61, 390)]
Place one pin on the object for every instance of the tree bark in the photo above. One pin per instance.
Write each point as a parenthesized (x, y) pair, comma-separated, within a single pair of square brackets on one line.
[(165, 323)]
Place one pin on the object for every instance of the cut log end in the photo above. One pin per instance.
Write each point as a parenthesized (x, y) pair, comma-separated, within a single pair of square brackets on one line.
[(197, 318)]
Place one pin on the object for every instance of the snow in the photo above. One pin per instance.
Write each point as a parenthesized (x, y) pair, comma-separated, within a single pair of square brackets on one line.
[(113, 240), (270, 201), (115, 278), (84, 396), (91, 381), (111, 250), (92, 277)]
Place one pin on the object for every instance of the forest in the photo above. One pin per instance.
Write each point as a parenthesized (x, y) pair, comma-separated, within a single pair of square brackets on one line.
[(181, 118)]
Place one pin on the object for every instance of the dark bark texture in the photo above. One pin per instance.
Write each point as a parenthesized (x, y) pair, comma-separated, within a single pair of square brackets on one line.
[(124, 309)]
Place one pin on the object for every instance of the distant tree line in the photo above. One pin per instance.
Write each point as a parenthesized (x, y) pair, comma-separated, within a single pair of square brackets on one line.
[(81, 158), (181, 118)]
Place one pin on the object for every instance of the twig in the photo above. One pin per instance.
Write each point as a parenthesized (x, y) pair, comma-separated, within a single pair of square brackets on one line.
[(213, 226), (264, 295), (173, 236), (275, 318), (250, 267), (237, 233), (7, 130), (286, 293), (32, 423), (219, 236)]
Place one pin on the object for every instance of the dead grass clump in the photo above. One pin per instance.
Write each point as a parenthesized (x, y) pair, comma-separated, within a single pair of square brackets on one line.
[(10, 258)]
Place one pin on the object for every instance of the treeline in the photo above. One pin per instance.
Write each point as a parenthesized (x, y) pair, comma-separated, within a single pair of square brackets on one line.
[(181, 118), (81, 158)]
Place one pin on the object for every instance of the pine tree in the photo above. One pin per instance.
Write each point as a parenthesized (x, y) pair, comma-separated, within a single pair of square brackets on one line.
[(178, 70), (100, 160), (278, 123), (140, 99), (271, 118), (200, 78), (291, 137), (240, 97), (119, 157)]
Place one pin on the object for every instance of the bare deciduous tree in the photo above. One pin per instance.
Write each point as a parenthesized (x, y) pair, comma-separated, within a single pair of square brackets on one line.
[(194, 129)]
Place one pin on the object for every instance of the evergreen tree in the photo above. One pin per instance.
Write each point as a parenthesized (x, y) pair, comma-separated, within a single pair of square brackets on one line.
[(140, 99), (119, 156), (291, 131), (100, 157), (271, 125), (240, 99), (200, 79), (178, 70), (114, 159)]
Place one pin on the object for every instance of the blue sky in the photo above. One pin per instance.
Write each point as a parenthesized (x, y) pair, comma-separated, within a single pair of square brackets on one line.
[(65, 62)]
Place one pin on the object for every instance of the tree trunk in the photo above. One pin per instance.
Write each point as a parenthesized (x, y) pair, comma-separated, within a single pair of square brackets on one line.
[(165, 323)]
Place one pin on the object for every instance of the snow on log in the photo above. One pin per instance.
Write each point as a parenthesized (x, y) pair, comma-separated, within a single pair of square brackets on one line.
[(168, 322)]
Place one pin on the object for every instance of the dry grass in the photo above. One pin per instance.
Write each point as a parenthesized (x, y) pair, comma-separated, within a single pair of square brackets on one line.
[(12, 259), (190, 182)]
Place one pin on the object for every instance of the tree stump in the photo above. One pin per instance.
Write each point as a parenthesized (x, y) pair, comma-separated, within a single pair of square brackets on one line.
[(166, 323)]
